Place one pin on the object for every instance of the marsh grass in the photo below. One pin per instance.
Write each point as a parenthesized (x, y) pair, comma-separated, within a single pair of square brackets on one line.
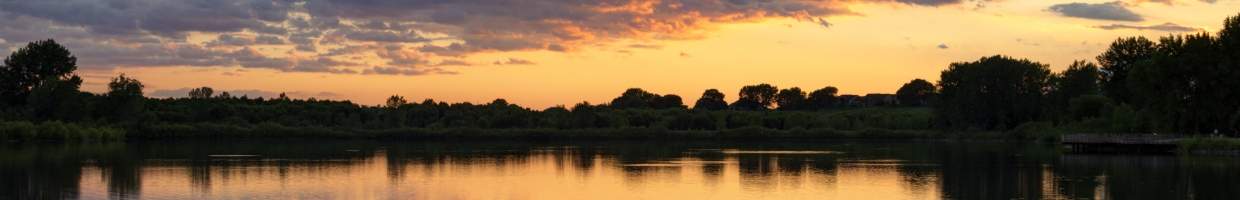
[(58, 131), (1209, 145)]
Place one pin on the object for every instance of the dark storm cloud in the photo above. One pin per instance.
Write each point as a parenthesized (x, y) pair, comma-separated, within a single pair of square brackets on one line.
[(1102, 11), (157, 16)]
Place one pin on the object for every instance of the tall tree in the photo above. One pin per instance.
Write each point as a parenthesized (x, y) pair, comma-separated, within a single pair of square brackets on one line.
[(994, 92), (634, 98), (56, 99), (669, 101), (125, 100), (1118, 61), (1184, 89), (823, 98), (1229, 39), (204, 93), (395, 101), (1080, 79), (31, 65), (756, 97), (916, 93), (790, 99), (711, 99)]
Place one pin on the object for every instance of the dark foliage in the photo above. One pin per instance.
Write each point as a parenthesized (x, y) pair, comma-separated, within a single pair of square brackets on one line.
[(791, 99), (823, 98), (1118, 61), (917, 92), (994, 92), (32, 65), (712, 99), (756, 97)]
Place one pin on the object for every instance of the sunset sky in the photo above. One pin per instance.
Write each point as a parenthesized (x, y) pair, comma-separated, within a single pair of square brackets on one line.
[(541, 53)]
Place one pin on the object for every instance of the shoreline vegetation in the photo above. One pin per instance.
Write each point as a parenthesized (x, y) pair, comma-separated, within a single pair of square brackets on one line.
[(1177, 84)]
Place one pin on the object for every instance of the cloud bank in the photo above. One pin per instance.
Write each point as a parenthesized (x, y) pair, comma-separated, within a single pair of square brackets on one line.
[(389, 37), (1115, 11), (1168, 27)]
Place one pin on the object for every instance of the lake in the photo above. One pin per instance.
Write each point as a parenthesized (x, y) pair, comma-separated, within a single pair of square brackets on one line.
[(317, 169)]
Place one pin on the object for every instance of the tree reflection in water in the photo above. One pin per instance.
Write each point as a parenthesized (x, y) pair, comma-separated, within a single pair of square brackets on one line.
[(619, 170)]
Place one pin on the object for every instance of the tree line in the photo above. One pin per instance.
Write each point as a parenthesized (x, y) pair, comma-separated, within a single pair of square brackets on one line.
[(1181, 83)]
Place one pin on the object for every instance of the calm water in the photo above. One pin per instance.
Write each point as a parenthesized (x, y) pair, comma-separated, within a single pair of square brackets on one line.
[(601, 170)]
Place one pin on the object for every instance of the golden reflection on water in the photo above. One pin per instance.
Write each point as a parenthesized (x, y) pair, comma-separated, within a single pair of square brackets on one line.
[(540, 175), (516, 170)]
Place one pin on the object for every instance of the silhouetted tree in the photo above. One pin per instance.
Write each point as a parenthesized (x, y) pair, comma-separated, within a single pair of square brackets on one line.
[(1080, 79), (1185, 87), (669, 101), (33, 64), (756, 97), (56, 99), (1088, 106), (917, 92), (395, 101), (202, 93), (790, 99), (634, 98), (125, 100), (994, 92), (823, 98), (711, 99), (1118, 61)]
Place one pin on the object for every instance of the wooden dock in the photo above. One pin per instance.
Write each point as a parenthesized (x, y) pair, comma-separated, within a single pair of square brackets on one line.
[(1127, 143)]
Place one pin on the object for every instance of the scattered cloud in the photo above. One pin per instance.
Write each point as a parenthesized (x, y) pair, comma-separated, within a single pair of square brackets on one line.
[(406, 71), (1116, 11), (1171, 2), (453, 62), (514, 61), (932, 2), (645, 46), (405, 35), (1168, 27), (822, 22)]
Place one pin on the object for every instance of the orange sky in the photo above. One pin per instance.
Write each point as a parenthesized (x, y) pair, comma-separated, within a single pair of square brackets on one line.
[(870, 46)]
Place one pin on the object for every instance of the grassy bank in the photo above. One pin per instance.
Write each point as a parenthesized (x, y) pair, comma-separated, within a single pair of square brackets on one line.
[(1210, 146), (58, 131)]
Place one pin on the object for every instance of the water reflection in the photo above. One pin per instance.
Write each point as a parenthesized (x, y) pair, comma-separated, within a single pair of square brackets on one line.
[(600, 170)]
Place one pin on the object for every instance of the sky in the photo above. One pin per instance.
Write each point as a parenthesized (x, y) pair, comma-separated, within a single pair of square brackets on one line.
[(543, 53)]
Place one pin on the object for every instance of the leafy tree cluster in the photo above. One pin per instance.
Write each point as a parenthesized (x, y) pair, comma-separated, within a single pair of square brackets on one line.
[(1185, 83), (38, 84), (636, 98), (1179, 83)]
